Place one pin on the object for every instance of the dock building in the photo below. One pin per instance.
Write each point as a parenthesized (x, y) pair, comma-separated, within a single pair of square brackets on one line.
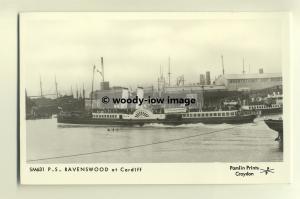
[(249, 82)]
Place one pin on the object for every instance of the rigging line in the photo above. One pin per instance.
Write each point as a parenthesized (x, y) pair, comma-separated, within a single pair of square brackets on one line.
[(131, 147)]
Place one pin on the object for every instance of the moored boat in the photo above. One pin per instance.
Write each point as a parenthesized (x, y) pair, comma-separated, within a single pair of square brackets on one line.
[(270, 105), (276, 125)]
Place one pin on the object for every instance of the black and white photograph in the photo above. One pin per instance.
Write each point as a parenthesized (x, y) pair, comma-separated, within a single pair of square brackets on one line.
[(154, 88)]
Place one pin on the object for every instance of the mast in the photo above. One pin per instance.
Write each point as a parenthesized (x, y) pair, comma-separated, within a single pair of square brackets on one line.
[(243, 65), (93, 86), (222, 62), (77, 91), (41, 87), (83, 91), (169, 73), (102, 69), (56, 87)]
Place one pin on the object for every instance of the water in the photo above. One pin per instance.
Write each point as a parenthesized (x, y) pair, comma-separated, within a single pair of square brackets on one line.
[(49, 142)]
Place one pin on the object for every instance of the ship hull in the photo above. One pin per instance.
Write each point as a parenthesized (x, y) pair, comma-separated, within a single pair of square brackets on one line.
[(271, 111), (276, 125), (177, 121)]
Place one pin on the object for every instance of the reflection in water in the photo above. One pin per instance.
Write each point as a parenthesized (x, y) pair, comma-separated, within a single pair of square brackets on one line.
[(201, 143)]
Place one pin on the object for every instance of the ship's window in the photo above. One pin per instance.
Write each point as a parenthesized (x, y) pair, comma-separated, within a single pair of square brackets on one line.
[(219, 114), (227, 114), (199, 115), (215, 114), (195, 115), (223, 114)]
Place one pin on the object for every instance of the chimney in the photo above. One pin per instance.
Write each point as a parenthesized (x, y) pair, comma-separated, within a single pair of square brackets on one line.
[(261, 71), (207, 78), (202, 79)]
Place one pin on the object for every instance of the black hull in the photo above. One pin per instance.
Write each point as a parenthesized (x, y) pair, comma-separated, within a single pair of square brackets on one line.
[(213, 120), (276, 125), (272, 111)]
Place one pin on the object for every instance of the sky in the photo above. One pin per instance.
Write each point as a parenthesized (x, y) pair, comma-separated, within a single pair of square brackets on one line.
[(66, 46)]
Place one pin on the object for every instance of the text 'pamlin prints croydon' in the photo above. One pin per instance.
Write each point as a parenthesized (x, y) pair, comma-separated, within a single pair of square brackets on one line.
[(244, 171)]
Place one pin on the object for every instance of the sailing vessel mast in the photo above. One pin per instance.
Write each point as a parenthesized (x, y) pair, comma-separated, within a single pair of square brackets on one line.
[(93, 87), (222, 62), (56, 87), (41, 87), (169, 73)]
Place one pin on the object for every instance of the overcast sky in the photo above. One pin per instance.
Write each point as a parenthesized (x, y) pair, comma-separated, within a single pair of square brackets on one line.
[(133, 49)]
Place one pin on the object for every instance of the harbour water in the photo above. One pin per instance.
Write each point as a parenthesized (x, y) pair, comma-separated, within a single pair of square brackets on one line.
[(50, 142)]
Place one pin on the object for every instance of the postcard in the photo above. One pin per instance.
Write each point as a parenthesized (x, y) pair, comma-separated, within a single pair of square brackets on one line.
[(154, 98)]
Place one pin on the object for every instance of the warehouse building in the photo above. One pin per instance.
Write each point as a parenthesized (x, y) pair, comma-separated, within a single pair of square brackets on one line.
[(249, 82)]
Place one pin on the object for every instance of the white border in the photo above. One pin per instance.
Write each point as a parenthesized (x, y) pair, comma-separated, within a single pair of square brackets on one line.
[(168, 173)]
